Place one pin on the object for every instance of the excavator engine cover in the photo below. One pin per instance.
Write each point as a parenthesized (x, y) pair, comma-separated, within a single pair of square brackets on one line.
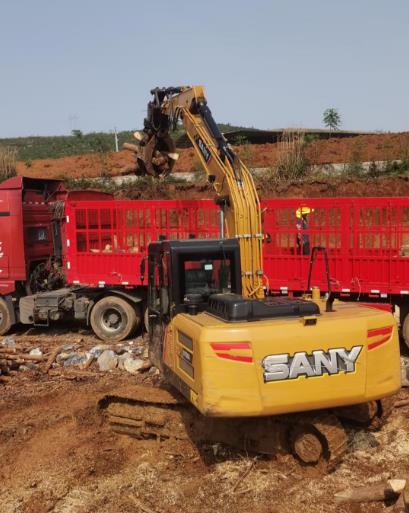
[(235, 308)]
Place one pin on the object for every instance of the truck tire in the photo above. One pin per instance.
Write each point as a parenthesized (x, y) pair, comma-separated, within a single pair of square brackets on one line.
[(113, 319), (5, 318)]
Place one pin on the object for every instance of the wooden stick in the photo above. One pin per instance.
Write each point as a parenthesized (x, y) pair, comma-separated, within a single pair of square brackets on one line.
[(401, 404), (8, 350), (376, 492), (140, 505), (244, 475), (51, 359), (26, 357)]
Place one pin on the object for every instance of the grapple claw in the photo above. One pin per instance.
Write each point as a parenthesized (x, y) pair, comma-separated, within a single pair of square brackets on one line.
[(156, 155)]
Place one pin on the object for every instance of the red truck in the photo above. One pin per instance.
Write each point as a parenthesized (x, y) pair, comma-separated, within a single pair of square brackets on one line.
[(80, 255)]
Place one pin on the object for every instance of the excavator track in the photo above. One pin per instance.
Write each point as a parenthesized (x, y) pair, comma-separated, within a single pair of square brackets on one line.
[(150, 412), (145, 412)]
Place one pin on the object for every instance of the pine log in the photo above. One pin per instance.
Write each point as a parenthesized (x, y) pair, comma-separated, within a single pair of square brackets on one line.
[(376, 492)]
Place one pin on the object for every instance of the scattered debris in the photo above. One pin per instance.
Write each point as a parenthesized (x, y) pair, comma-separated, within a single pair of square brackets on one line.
[(11, 358), (128, 356)]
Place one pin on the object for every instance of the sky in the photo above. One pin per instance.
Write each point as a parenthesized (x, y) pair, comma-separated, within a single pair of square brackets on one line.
[(90, 64)]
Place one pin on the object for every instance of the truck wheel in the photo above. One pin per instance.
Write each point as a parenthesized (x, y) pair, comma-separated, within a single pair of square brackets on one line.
[(113, 319), (5, 319)]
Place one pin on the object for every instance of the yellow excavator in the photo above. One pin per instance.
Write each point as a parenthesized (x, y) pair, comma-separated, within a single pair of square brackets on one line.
[(250, 370)]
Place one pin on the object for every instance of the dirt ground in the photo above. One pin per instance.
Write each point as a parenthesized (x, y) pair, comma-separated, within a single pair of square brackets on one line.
[(363, 148), (57, 456)]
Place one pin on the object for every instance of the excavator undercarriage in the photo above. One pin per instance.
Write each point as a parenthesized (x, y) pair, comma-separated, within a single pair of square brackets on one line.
[(319, 437)]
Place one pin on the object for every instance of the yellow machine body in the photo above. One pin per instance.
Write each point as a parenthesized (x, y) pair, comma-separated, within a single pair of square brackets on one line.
[(266, 366), (223, 364)]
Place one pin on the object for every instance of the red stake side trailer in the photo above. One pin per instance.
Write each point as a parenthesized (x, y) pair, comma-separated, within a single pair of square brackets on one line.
[(366, 241), (96, 245), (107, 240)]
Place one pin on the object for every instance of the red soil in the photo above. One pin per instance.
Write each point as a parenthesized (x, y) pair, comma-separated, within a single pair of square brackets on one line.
[(360, 148)]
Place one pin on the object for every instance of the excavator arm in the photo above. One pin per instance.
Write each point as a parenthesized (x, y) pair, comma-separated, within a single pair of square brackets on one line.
[(231, 179)]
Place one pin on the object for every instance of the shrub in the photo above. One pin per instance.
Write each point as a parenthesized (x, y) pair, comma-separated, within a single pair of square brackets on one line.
[(8, 162), (292, 162)]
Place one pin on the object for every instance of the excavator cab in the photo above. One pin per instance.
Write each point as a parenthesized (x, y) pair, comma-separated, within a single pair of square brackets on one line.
[(182, 276)]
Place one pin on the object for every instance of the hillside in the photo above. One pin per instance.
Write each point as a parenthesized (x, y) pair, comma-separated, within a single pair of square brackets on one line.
[(364, 148)]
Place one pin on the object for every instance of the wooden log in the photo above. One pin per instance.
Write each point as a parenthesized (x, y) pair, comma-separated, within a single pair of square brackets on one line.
[(130, 147), (25, 357), (376, 492), (401, 404), (51, 359), (8, 350)]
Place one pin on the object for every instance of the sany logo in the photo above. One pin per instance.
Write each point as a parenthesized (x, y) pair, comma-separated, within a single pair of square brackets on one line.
[(278, 367), (204, 150)]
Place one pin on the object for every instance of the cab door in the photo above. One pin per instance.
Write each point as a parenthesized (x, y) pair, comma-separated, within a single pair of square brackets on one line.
[(158, 307)]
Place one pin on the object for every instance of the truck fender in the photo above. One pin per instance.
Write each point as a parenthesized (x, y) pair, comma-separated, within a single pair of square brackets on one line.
[(109, 292), (131, 298)]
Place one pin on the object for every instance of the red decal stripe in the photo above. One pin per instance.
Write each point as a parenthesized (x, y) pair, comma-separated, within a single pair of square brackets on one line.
[(378, 343), (236, 358), (387, 330), (227, 346)]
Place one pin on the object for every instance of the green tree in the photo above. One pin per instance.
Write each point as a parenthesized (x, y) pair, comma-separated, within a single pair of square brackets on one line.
[(331, 119)]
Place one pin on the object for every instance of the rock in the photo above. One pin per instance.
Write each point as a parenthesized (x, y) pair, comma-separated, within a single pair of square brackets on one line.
[(136, 350), (107, 361), (67, 348), (96, 351), (154, 371), (28, 366), (36, 352), (133, 366), (404, 371), (121, 360), (8, 341), (69, 359), (86, 360)]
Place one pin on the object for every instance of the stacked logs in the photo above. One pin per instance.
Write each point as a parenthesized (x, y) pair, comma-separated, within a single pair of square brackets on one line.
[(11, 358)]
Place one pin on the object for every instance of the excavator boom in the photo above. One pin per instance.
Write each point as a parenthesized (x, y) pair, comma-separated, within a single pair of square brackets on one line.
[(231, 179)]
